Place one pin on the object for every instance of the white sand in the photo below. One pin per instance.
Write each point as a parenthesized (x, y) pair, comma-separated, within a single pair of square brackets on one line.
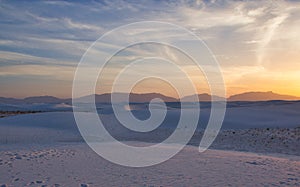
[(46, 149), (75, 164)]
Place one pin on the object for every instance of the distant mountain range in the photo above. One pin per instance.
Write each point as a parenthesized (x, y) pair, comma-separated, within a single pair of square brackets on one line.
[(261, 96), (146, 97), (134, 97), (202, 97), (31, 100)]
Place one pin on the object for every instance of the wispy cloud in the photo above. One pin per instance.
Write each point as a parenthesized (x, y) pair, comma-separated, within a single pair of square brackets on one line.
[(13, 58), (82, 26), (56, 72), (247, 37)]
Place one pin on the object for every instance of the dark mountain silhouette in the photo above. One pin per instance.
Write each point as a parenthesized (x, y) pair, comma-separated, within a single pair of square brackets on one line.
[(32, 100), (201, 97), (6, 100), (261, 96), (43, 99), (147, 97), (134, 97)]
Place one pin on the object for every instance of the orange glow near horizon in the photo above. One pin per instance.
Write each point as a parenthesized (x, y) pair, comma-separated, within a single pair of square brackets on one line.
[(282, 83)]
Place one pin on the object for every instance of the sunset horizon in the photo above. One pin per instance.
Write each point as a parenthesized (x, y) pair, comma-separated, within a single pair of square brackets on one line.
[(254, 94), (98, 93), (257, 48)]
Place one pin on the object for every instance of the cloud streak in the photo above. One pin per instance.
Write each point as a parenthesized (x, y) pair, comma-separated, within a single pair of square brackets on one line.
[(249, 38)]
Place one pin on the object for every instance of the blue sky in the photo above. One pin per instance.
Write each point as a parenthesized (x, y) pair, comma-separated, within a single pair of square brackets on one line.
[(41, 42)]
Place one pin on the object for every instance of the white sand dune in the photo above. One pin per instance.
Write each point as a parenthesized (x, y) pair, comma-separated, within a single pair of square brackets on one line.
[(76, 164), (47, 149), (55, 127)]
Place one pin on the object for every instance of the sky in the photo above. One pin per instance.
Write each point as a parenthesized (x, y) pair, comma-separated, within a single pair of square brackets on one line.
[(256, 43)]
